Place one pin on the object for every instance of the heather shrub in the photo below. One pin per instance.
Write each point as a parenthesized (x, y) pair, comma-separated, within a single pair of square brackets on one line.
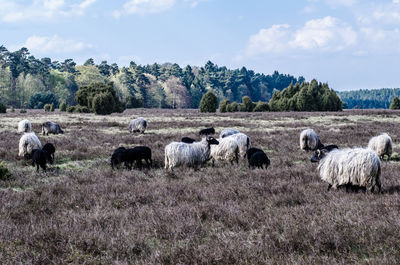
[(4, 172)]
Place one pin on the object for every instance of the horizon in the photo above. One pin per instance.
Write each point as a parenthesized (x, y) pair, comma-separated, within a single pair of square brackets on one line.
[(350, 45)]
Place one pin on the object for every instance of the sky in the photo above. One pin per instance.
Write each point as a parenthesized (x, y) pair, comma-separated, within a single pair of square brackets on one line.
[(349, 44)]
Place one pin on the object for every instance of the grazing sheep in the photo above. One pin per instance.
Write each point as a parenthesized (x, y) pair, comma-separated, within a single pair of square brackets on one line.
[(138, 153), (309, 140), (137, 125), (40, 157), (129, 156), (50, 149), (349, 167), (192, 155), (188, 140), (251, 151), (381, 144), (206, 131), (227, 132), (51, 127), (226, 150), (27, 143), (243, 142), (24, 126), (258, 159), (117, 156)]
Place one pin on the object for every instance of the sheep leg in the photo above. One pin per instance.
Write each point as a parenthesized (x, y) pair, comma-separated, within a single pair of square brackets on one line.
[(37, 167), (329, 187)]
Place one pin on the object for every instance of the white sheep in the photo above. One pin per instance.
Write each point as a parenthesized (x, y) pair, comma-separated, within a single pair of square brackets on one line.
[(227, 132), (24, 126), (381, 144), (309, 140), (27, 143), (356, 167), (243, 142), (137, 125), (191, 155), (226, 150)]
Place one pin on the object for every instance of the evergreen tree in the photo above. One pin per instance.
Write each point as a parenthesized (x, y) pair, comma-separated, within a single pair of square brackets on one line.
[(209, 102), (395, 103)]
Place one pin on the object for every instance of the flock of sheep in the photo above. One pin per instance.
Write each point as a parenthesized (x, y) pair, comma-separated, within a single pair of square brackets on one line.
[(354, 167), (349, 167)]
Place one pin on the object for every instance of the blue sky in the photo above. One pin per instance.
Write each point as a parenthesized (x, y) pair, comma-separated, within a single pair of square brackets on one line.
[(350, 44)]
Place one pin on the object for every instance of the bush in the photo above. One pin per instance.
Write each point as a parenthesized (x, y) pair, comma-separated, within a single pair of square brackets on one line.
[(63, 106), (103, 104), (247, 104), (38, 100), (52, 107), (12, 109), (71, 109), (134, 102), (3, 108), (47, 107), (233, 107), (81, 109), (209, 102), (22, 111), (223, 106), (4, 172), (261, 106), (107, 103)]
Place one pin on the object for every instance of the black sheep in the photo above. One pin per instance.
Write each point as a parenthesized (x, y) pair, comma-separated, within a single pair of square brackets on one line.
[(117, 156), (138, 153), (251, 151), (50, 149), (187, 140), (207, 131), (40, 158), (258, 159)]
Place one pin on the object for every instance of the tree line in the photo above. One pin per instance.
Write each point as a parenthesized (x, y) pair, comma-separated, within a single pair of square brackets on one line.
[(29, 82), (369, 98)]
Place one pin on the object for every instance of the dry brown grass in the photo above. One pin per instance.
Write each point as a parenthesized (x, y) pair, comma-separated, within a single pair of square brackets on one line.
[(81, 211)]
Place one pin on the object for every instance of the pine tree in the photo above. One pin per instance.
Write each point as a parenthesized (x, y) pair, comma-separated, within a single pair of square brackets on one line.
[(395, 103), (209, 102)]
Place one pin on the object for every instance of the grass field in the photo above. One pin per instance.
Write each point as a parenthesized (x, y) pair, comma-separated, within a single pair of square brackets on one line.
[(81, 211)]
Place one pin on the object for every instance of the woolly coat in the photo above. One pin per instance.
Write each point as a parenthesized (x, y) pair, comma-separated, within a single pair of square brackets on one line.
[(137, 125), (381, 144), (227, 132), (309, 140), (183, 154), (24, 126), (226, 150), (357, 166), (27, 143)]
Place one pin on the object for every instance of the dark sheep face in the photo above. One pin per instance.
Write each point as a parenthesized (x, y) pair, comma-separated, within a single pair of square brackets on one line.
[(321, 153), (212, 140)]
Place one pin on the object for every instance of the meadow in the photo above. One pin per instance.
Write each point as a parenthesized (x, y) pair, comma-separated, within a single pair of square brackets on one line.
[(82, 212)]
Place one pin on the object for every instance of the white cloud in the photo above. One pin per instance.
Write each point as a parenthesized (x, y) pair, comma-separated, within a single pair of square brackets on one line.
[(53, 45), (327, 34), (41, 10)]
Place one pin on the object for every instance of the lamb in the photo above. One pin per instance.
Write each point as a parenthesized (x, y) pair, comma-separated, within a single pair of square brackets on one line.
[(187, 140), (251, 151), (226, 150), (24, 126), (117, 156), (258, 159), (27, 143), (309, 140), (227, 132), (349, 167), (207, 131), (51, 127), (381, 144), (50, 149), (131, 155), (192, 155), (40, 157), (137, 125), (243, 142)]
